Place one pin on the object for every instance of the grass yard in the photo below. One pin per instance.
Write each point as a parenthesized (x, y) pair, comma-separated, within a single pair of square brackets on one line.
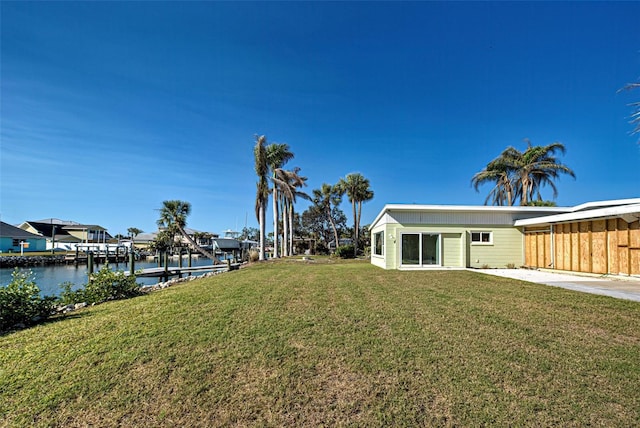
[(331, 343)]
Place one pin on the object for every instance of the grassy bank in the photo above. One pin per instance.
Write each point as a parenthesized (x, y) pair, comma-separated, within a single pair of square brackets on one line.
[(290, 343)]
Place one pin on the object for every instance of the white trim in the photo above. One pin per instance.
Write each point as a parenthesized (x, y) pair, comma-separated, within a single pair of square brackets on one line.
[(600, 204), (587, 209), (481, 242), (420, 265), (616, 211), (384, 246), (466, 208)]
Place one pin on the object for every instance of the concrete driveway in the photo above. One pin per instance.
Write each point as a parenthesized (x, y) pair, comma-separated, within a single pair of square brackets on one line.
[(621, 288)]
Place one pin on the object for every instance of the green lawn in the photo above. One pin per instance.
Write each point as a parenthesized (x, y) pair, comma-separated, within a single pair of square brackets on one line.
[(331, 343)]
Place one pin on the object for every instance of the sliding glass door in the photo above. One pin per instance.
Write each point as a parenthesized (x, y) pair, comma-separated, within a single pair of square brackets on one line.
[(420, 249)]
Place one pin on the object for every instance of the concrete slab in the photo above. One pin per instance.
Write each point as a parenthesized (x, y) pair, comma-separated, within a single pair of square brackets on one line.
[(621, 288)]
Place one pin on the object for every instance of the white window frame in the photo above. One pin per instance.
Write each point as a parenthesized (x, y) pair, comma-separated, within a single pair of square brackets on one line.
[(373, 252), (481, 242), (421, 265)]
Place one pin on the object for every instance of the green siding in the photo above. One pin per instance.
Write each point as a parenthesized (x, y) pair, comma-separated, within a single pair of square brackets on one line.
[(452, 249), (456, 248), (386, 260), (451, 243), (507, 247)]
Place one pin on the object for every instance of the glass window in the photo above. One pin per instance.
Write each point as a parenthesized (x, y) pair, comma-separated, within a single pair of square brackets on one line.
[(420, 249), (430, 249), (410, 249), (378, 243), (481, 237)]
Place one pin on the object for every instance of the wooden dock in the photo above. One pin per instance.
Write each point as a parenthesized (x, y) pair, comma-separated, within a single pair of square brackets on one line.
[(159, 272), (82, 258)]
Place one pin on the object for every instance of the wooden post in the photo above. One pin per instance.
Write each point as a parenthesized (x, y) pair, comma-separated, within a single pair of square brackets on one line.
[(228, 264), (53, 239), (90, 263), (180, 257), (166, 266), (132, 262)]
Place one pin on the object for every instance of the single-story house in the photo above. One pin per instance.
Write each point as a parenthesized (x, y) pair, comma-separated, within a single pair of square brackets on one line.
[(596, 237), (14, 240)]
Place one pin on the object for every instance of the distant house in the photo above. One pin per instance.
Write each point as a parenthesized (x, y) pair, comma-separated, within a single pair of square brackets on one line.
[(341, 242), (13, 240), (88, 233), (143, 240), (597, 237), (65, 234)]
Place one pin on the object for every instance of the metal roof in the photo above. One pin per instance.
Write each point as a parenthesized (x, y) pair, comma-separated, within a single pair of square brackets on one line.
[(9, 231), (629, 213), (596, 209), (468, 208)]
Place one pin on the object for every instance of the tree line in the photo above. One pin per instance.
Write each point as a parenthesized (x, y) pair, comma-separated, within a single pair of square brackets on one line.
[(285, 187)]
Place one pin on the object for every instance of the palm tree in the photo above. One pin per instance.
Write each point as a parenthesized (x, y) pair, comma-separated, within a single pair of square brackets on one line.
[(173, 216), (498, 171), (277, 154), (536, 167), (133, 232), (293, 181), (262, 187), (521, 175), (327, 197), (635, 116), (285, 193), (357, 189)]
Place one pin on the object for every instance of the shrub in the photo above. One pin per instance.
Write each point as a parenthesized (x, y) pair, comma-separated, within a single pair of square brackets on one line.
[(69, 296), (21, 303), (103, 285), (321, 248), (345, 251), (254, 256), (367, 252)]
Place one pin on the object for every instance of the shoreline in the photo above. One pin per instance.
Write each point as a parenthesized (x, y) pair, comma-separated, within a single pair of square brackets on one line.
[(28, 261)]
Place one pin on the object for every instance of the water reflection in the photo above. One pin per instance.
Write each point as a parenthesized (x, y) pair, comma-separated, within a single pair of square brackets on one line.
[(49, 278)]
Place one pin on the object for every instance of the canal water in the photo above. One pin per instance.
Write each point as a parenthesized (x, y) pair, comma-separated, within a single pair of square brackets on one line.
[(49, 278)]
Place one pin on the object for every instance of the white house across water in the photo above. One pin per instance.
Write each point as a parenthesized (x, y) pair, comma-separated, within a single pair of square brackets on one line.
[(596, 237)]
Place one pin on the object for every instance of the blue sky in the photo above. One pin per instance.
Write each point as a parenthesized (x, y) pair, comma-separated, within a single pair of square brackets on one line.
[(109, 108)]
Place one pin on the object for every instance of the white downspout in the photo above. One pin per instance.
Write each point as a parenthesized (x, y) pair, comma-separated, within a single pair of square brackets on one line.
[(553, 252)]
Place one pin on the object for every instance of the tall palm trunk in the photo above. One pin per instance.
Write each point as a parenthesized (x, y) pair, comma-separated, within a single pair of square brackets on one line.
[(526, 190), (358, 216), (261, 215), (285, 229), (276, 216), (355, 228), (196, 246), (333, 226), (290, 228)]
